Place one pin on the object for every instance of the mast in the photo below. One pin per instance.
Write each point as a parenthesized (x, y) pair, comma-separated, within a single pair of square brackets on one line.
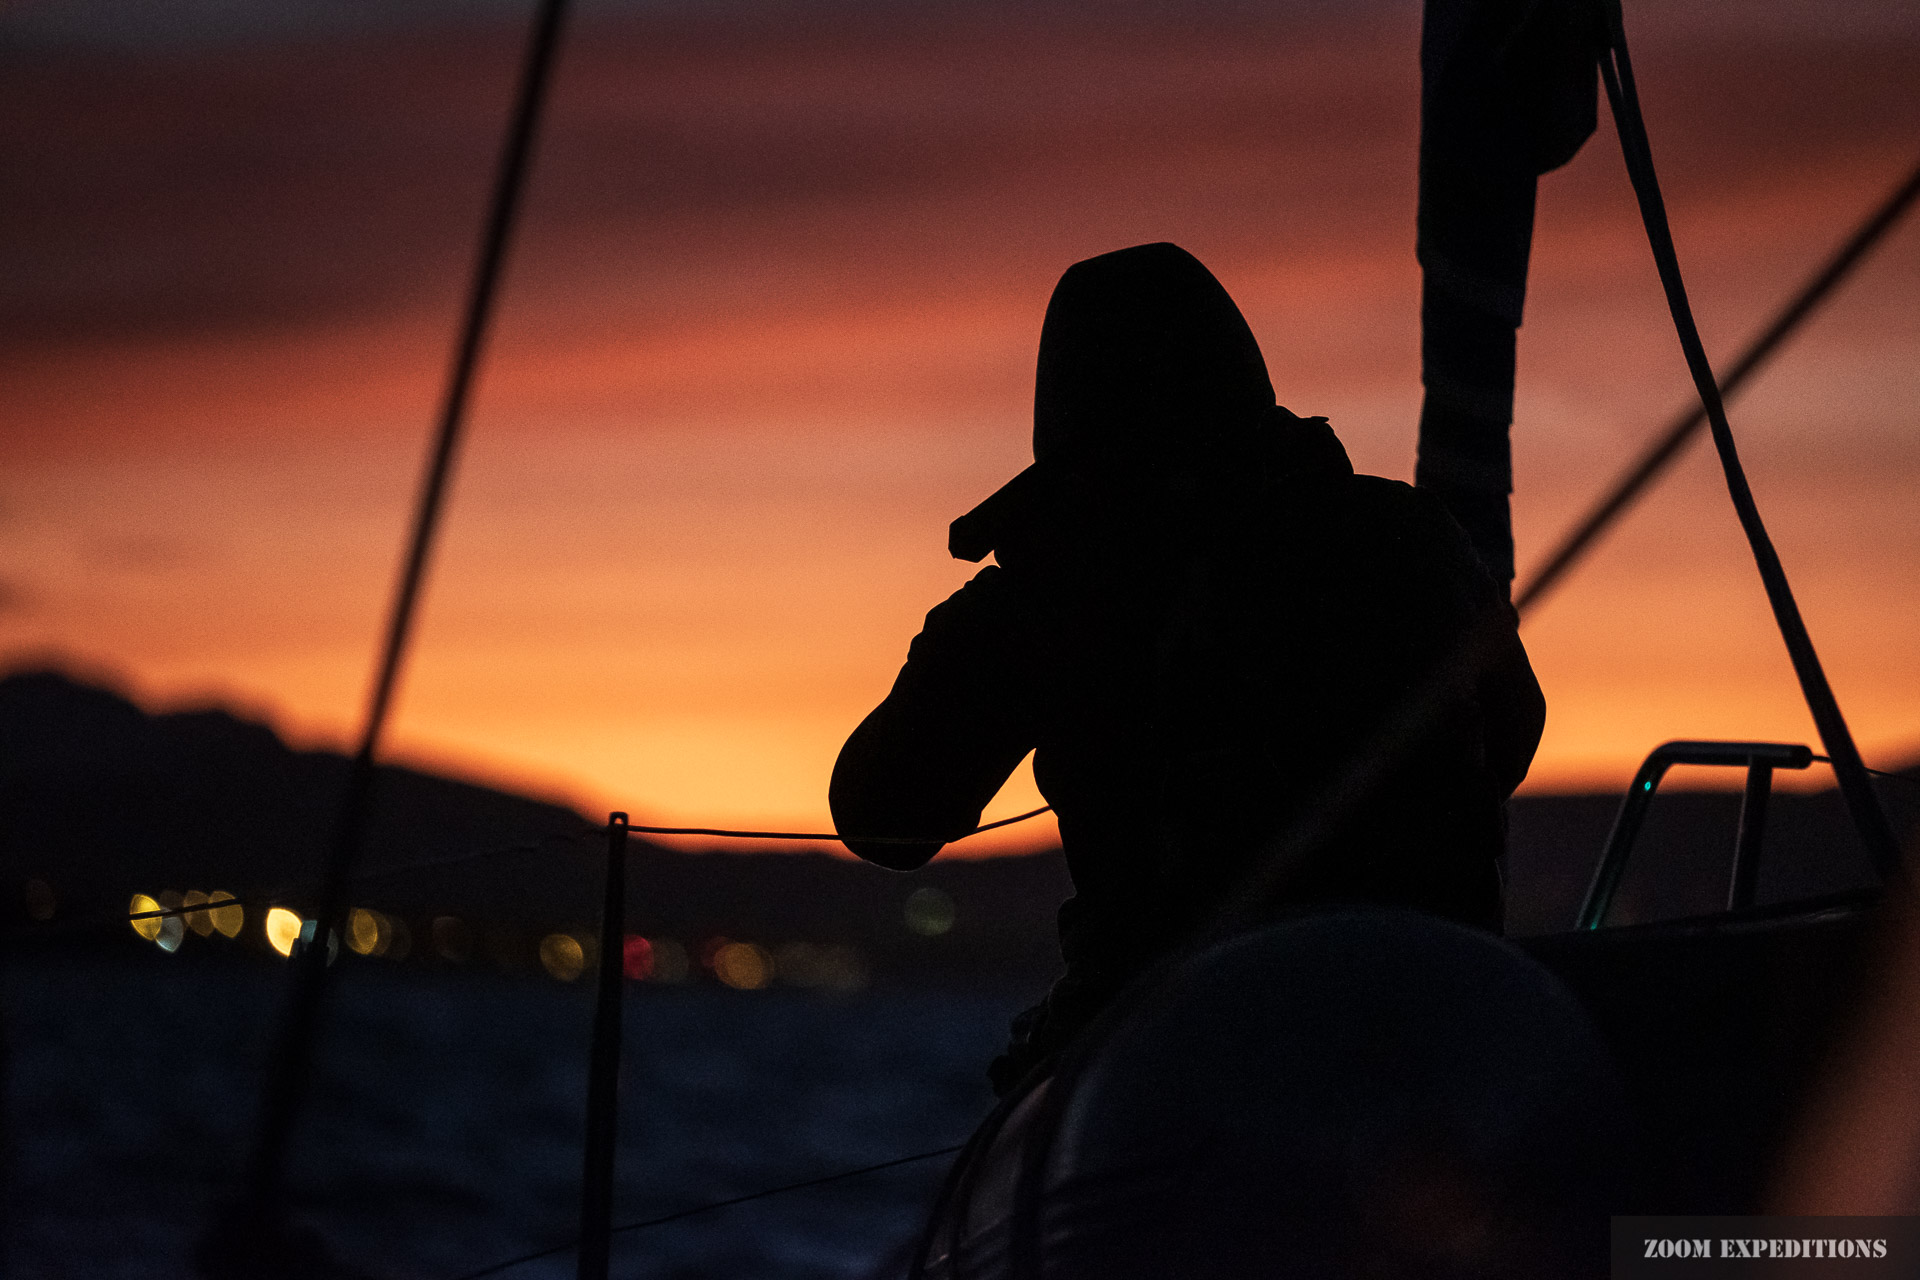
[(1507, 93)]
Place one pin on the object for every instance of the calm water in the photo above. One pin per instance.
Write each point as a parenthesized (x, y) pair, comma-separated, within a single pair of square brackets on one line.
[(446, 1129)]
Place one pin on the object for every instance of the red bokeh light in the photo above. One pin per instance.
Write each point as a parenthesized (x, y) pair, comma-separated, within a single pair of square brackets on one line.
[(636, 957)]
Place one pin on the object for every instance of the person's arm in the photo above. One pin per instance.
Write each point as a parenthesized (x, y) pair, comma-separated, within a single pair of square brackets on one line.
[(927, 760), (1514, 712)]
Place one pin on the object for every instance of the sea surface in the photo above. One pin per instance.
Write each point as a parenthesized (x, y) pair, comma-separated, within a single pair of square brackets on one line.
[(445, 1130)]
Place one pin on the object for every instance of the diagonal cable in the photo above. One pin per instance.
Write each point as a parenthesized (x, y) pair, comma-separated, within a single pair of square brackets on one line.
[(552, 1250), (1651, 464)]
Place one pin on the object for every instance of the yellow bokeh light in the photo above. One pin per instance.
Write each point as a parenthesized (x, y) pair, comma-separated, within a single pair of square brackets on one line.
[(742, 966), (230, 919), (148, 928), (198, 921), (365, 932), (562, 956), (283, 930)]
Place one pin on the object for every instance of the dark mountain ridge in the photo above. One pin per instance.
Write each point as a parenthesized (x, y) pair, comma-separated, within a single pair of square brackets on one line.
[(99, 800)]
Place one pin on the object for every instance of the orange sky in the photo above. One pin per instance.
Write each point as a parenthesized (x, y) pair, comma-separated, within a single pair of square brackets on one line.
[(770, 325)]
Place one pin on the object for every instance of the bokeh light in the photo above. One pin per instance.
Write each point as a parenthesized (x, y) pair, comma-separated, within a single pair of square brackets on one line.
[(283, 930), (636, 958), (562, 956), (742, 966), (198, 921), (366, 932), (146, 926), (227, 920), (173, 930), (670, 963), (929, 912), (309, 929)]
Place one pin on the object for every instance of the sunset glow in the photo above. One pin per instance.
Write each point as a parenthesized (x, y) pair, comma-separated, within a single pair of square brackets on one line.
[(770, 325)]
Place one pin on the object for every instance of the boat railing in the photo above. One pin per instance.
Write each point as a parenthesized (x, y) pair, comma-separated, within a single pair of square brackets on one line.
[(1759, 759)]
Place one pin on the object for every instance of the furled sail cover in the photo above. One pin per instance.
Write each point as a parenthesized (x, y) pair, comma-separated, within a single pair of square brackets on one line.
[(1507, 94)]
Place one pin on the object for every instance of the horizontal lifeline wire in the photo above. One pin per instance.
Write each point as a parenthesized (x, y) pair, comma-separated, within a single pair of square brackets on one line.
[(1907, 778), (458, 859), (833, 835), (676, 1216), (501, 851), (276, 897)]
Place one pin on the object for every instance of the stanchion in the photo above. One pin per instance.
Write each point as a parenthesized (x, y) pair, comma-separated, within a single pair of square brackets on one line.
[(603, 1069)]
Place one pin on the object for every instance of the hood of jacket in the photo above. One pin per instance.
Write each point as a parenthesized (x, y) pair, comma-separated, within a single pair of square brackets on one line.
[(1148, 377)]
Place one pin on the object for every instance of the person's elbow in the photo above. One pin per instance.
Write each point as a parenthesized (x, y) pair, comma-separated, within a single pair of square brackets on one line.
[(875, 836), (1516, 717), (895, 854)]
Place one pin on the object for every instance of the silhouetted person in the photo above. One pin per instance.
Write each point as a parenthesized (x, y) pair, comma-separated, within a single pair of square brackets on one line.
[(1199, 613)]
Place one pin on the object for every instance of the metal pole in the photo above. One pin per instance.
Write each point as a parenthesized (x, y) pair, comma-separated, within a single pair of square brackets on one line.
[(291, 1061), (603, 1067), (1748, 843)]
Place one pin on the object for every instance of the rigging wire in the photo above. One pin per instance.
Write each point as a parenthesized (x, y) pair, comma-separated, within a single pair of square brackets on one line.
[(454, 860), (1667, 446), (498, 1267), (1907, 778), (1616, 73)]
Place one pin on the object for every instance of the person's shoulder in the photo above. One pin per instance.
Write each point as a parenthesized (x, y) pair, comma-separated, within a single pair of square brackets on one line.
[(1397, 507), (1403, 501), (1395, 496), (1415, 526)]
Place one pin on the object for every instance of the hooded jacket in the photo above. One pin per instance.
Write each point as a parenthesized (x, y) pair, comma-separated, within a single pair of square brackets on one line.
[(1199, 615)]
